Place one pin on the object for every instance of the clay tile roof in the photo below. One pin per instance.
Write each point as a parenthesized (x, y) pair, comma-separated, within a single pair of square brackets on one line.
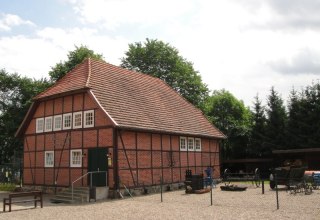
[(74, 80), (135, 100)]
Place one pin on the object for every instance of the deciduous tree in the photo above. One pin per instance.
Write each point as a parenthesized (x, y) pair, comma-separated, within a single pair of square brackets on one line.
[(74, 58), (161, 60)]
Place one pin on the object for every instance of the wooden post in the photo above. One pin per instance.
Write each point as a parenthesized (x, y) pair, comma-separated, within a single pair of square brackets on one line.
[(211, 189), (277, 197), (161, 187)]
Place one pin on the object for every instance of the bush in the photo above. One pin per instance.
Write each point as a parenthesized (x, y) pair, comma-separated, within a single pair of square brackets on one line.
[(7, 187)]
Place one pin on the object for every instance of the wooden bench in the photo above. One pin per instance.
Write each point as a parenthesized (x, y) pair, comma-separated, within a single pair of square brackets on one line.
[(33, 196)]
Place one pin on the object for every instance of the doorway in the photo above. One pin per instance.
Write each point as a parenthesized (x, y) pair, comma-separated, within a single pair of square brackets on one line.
[(98, 161)]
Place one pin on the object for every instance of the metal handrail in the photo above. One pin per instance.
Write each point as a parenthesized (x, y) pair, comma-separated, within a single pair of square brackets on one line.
[(84, 175)]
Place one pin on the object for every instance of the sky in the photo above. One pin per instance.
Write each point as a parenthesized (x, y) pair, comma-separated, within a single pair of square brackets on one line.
[(243, 46)]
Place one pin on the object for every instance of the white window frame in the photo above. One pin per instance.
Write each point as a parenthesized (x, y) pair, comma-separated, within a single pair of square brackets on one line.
[(55, 123), (72, 164), (85, 122), (74, 120), (190, 149), (48, 121), (64, 120), (195, 144), (185, 144), (39, 121), (46, 162)]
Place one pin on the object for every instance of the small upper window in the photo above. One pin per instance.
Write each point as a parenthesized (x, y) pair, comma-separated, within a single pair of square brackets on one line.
[(183, 143), (197, 142), (67, 121), (57, 122), (77, 120), (48, 124), (39, 125), (48, 158), (76, 158), (190, 144), (88, 118)]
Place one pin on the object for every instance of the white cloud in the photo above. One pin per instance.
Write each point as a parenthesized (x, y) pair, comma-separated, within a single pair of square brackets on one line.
[(111, 14), (244, 46), (34, 56), (7, 21)]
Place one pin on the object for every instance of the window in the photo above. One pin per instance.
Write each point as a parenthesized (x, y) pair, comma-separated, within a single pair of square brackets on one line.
[(88, 118), (190, 144), (67, 121), (77, 120), (183, 143), (39, 125), (48, 158), (197, 144), (48, 124), (75, 158), (57, 122)]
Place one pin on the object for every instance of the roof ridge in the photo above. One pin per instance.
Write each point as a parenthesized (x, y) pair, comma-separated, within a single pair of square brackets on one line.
[(89, 72)]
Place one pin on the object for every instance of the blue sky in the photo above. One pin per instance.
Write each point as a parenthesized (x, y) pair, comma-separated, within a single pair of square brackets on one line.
[(244, 46)]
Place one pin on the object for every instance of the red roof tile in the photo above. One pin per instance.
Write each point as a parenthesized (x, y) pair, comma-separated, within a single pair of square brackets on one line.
[(135, 100)]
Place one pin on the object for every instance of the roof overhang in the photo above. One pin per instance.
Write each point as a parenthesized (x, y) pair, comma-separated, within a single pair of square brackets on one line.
[(158, 131), (303, 150)]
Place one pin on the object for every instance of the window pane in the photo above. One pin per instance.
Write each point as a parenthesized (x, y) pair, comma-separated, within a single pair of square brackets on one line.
[(190, 143), (57, 122), (76, 157), (89, 118), (77, 120)]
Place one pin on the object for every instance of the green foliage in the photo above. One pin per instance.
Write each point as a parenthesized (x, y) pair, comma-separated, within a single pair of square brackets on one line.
[(233, 119), (7, 187), (303, 129), (74, 58), (276, 122), (16, 93), (258, 131), (163, 61)]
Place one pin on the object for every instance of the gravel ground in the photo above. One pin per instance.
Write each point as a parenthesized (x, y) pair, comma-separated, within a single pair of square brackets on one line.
[(250, 204)]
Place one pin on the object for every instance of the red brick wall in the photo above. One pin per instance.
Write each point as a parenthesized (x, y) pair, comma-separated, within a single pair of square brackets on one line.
[(61, 142), (148, 155), (151, 156)]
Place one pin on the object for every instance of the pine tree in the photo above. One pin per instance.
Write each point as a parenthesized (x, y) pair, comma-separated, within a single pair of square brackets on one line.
[(276, 122), (256, 147)]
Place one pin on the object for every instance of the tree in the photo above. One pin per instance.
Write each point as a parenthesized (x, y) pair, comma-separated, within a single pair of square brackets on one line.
[(233, 119), (74, 58), (161, 60), (16, 93), (276, 122), (257, 137)]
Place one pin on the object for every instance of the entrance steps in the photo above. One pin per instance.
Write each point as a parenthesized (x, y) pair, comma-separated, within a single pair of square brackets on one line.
[(80, 195)]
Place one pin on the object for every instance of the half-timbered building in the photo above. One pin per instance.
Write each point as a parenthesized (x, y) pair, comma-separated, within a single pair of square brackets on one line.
[(129, 126)]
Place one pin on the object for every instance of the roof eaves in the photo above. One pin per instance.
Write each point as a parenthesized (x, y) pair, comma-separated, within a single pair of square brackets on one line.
[(168, 132), (26, 120)]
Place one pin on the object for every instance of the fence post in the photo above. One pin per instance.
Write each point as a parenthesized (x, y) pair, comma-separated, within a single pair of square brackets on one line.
[(276, 182), (211, 191), (262, 182), (161, 187)]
